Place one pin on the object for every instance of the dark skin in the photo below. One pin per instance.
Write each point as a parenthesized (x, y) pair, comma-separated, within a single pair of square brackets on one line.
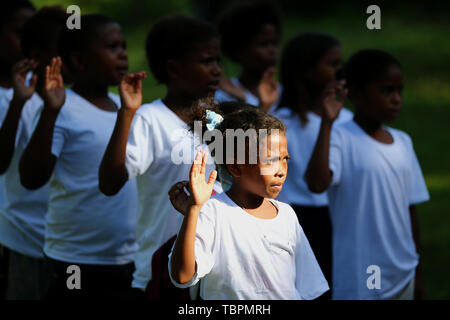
[(195, 76), (379, 102), (103, 63), (39, 59), (252, 185), (258, 61), (10, 38), (322, 74)]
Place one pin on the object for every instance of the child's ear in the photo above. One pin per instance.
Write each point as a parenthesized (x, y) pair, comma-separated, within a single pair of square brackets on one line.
[(234, 169), (173, 69)]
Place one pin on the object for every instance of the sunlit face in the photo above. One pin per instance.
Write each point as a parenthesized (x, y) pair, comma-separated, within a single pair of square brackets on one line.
[(262, 50), (266, 178), (327, 67), (382, 99)]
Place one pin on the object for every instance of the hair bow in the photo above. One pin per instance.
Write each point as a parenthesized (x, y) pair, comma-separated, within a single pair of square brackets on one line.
[(213, 118)]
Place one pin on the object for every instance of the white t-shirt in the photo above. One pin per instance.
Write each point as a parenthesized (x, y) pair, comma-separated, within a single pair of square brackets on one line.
[(83, 225), (240, 256), (250, 98), (22, 211), (301, 142), (160, 151), (373, 186)]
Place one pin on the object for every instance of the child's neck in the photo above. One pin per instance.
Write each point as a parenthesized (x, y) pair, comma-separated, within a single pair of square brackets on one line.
[(250, 80), (373, 128), (95, 94), (310, 100), (179, 104), (253, 204)]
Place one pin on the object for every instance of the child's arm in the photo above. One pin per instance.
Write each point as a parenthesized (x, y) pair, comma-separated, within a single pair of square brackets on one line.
[(37, 162), (419, 290), (21, 94), (183, 256), (113, 173), (318, 174)]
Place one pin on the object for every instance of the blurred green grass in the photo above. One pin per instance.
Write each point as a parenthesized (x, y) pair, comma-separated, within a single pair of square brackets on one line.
[(421, 43)]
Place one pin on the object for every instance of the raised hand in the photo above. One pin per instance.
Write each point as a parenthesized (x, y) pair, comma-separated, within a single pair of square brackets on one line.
[(199, 188), (226, 85), (130, 89), (332, 100), (268, 89), (54, 93), (179, 198), (22, 92)]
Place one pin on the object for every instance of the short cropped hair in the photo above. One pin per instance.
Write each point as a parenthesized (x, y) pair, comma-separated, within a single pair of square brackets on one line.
[(366, 66), (43, 29), (75, 40), (9, 8), (240, 23), (173, 37)]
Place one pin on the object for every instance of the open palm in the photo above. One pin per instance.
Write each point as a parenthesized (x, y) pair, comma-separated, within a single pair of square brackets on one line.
[(200, 189), (131, 90), (54, 93)]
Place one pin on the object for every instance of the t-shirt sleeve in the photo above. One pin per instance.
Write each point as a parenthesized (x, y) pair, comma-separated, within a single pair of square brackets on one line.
[(140, 147), (335, 156), (205, 237), (309, 281), (418, 191)]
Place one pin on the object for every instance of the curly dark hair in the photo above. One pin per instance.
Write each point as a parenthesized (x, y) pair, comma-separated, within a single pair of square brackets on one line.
[(240, 23), (236, 116), (173, 37), (366, 66)]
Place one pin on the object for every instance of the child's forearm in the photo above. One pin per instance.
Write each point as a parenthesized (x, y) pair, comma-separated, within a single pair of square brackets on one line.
[(183, 256), (113, 173), (8, 133), (37, 162), (318, 174)]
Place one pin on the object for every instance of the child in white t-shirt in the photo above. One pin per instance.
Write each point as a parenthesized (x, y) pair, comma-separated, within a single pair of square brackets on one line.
[(22, 211), (242, 244), (309, 62), (152, 142), (374, 182), (83, 226), (250, 34)]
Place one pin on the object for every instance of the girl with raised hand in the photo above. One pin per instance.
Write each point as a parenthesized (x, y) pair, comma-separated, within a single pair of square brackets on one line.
[(242, 244), (374, 182), (83, 226)]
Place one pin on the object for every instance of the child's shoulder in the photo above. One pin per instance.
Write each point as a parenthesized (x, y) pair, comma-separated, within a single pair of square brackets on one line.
[(152, 110), (286, 210), (400, 135)]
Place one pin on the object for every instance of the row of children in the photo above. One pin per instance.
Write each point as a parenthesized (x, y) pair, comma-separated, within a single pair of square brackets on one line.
[(86, 173)]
